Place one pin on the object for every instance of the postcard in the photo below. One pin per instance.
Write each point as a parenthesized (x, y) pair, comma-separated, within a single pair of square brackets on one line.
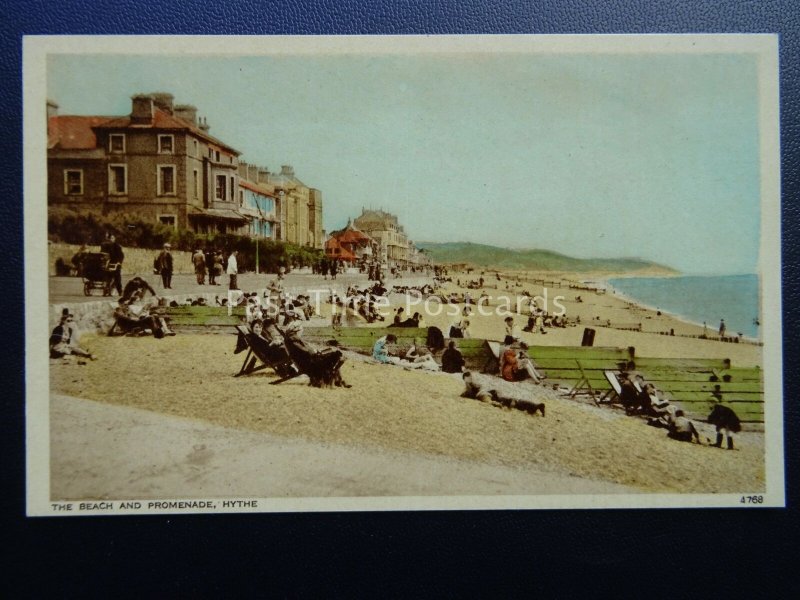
[(320, 273)]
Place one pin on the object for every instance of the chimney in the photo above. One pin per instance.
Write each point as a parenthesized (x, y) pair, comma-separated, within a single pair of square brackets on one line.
[(187, 112), (263, 175), (52, 109), (287, 170), (163, 101), (142, 109), (242, 170), (203, 124), (252, 173)]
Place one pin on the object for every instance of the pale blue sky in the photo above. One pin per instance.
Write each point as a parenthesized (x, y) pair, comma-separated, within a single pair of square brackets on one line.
[(595, 155)]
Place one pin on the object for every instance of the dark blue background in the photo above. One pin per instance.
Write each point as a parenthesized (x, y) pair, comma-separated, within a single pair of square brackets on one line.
[(568, 553)]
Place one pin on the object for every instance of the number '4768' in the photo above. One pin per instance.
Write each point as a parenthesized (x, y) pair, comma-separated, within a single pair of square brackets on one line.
[(751, 500)]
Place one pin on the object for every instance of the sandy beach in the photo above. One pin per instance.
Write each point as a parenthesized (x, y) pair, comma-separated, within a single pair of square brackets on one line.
[(420, 414)]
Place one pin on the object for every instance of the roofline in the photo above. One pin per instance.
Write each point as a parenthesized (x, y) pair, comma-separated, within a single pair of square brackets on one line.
[(187, 126)]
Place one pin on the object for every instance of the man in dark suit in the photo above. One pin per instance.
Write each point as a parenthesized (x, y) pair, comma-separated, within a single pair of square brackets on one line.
[(115, 257), (165, 266)]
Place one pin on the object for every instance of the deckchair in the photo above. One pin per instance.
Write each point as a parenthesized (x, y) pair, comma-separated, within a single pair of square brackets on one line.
[(583, 382), (616, 388), (493, 357), (258, 351)]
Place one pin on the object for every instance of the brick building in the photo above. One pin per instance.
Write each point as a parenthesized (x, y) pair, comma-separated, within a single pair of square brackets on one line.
[(160, 163)]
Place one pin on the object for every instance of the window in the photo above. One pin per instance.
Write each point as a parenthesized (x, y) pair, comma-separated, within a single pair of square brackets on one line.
[(166, 144), (196, 151), (233, 189), (166, 180), (216, 155), (168, 220), (195, 184), (241, 198), (222, 187), (116, 143), (73, 182), (117, 179)]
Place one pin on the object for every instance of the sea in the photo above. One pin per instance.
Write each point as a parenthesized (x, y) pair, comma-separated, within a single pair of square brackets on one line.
[(699, 299)]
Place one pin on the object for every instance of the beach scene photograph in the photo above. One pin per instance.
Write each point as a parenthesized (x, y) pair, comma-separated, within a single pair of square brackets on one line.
[(299, 274)]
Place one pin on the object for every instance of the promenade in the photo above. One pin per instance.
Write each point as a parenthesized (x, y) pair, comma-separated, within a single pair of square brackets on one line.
[(69, 290)]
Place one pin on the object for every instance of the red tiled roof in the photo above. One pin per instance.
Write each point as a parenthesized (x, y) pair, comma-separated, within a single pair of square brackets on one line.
[(166, 121), (352, 236), (73, 132)]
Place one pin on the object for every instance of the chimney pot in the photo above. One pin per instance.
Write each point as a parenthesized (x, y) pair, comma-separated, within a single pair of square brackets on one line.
[(141, 108)]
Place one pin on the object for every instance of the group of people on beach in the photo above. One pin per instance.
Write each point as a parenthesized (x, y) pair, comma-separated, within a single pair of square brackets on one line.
[(639, 397)]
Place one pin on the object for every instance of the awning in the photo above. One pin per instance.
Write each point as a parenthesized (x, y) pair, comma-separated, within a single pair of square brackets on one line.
[(219, 213)]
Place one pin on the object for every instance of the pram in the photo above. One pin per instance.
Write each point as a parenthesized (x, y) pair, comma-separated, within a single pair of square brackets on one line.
[(97, 273)]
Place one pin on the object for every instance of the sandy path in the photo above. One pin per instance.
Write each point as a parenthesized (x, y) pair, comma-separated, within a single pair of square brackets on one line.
[(137, 454)]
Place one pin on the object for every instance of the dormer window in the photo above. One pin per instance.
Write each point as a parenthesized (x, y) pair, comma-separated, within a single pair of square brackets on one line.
[(116, 143), (166, 144)]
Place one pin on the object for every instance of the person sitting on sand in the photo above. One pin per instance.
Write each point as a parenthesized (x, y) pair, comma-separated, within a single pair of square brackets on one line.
[(464, 327), (511, 331), (380, 351), (452, 359), (420, 358), (64, 339), (414, 321), (682, 429), (628, 396), (516, 365), (398, 316), (646, 395), (477, 388), (137, 318)]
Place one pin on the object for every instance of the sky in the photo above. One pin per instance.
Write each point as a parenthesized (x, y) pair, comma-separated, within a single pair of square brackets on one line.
[(654, 156)]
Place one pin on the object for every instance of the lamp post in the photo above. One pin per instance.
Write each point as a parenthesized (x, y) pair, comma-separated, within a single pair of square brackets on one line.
[(258, 227)]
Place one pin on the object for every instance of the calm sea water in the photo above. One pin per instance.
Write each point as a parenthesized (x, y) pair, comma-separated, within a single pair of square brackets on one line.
[(734, 298)]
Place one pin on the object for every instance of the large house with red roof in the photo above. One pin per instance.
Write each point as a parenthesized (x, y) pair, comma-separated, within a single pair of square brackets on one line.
[(351, 245), (160, 163)]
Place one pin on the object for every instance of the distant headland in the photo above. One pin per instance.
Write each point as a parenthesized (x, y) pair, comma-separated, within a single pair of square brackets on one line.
[(481, 255)]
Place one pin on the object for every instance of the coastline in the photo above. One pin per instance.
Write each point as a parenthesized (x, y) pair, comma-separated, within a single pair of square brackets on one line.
[(713, 332)]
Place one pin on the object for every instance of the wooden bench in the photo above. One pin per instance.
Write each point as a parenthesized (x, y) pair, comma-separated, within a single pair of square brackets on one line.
[(690, 382), (580, 366), (362, 339), (185, 318)]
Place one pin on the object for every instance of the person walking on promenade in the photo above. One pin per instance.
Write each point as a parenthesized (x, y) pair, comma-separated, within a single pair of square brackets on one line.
[(212, 276), (199, 262), (115, 257), (722, 328), (165, 266), (233, 270)]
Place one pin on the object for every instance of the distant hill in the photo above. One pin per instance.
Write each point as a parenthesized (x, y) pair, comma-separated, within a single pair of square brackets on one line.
[(480, 255)]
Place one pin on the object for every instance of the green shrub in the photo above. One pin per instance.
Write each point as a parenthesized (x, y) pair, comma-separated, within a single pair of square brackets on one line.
[(69, 226)]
